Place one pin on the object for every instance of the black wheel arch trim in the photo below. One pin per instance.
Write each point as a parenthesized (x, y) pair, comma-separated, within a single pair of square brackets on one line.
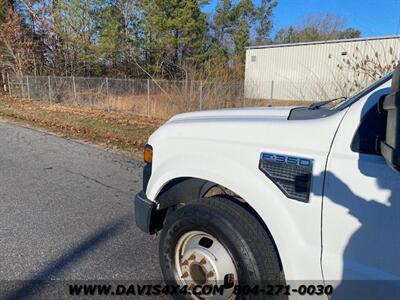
[(150, 215)]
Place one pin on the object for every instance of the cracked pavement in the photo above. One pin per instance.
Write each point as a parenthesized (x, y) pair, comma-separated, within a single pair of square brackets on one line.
[(66, 211)]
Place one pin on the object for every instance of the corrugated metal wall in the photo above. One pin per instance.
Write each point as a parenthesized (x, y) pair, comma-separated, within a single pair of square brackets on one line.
[(311, 71)]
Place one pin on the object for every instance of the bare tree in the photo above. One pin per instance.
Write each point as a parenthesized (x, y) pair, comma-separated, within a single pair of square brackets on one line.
[(365, 66), (317, 28), (17, 49)]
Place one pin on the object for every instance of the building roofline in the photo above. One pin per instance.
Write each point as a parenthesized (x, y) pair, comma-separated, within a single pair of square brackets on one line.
[(324, 42)]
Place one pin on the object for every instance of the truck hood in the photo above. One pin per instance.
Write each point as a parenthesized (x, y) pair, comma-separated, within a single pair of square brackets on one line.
[(235, 113), (258, 129)]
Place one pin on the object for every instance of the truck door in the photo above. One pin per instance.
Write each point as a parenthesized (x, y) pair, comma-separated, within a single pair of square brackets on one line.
[(361, 208)]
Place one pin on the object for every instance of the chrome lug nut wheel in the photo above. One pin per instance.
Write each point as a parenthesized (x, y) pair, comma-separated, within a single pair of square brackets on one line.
[(201, 260)]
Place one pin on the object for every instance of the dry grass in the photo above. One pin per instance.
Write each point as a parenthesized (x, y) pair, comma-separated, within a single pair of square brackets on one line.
[(122, 128), (146, 98), (163, 107), (117, 131)]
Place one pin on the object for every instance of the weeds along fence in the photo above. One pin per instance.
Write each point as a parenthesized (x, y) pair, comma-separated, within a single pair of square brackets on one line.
[(160, 98), (163, 98)]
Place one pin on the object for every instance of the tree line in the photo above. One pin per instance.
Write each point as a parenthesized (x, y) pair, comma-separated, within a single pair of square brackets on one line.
[(173, 39)]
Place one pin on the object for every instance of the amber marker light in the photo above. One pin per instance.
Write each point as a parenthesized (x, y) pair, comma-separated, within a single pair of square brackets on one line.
[(148, 154)]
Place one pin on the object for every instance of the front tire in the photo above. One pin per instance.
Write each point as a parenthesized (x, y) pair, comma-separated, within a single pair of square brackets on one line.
[(215, 241)]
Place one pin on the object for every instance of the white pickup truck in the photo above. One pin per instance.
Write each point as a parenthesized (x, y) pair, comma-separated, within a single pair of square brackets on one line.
[(280, 195)]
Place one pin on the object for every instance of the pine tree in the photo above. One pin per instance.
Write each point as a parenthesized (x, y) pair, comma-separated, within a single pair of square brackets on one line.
[(264, 20), (244, 17), (176, 33), (237, 26), (77, 33), (223, 28), (110, 45)]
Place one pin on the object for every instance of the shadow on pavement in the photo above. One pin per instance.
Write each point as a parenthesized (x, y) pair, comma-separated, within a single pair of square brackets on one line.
[(30, 287)]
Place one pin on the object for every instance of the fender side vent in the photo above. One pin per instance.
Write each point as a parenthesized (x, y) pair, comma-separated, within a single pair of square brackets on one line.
[(292, 175)]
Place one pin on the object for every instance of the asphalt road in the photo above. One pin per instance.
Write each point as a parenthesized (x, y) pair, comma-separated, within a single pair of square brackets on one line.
[(66, 213)]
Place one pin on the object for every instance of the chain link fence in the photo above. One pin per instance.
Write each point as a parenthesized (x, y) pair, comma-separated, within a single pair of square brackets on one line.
[(165, 98), (160, 98)]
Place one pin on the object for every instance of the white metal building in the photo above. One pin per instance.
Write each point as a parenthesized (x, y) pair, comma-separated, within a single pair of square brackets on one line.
[(315, 70)]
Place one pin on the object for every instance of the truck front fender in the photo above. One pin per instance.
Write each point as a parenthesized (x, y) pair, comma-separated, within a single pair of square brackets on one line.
[(251, 185)]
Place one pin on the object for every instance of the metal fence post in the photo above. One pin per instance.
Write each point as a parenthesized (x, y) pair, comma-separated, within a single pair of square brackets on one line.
[(107, 96), (148, 97), (242, 95), (27, 88), (272, 90), (3, 78), (74, 88), (9, 85), (201, 95), (49, 82), (133, 86)]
